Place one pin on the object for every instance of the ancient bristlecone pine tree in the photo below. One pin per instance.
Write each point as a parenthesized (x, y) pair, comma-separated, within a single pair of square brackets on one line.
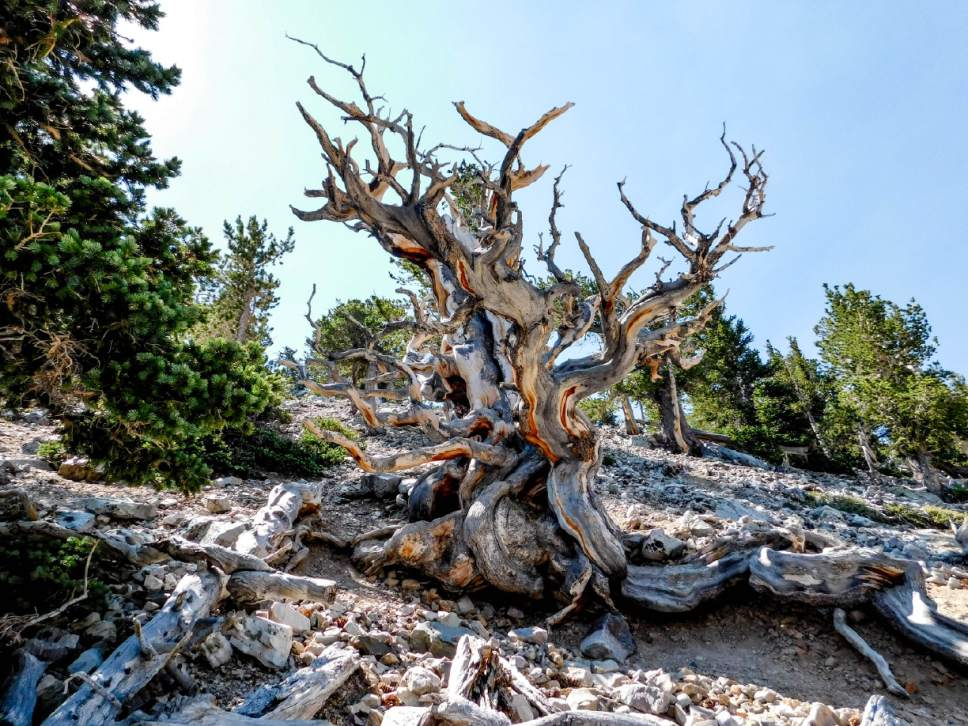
[(511, 502)]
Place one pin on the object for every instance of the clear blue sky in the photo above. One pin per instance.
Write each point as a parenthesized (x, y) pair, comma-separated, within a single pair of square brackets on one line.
[(861, 107)]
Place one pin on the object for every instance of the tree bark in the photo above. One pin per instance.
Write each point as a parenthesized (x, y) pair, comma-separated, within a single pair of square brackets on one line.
[(870, 458), (631, 425), (136, 661), (512, 501), (20, 696), (676, 431), (924, 472)]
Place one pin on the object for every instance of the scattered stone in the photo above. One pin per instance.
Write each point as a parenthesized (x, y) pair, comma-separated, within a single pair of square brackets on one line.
[(78, 468), (421, 680), (50, 693), (820, 715), (533, 634), (153, 583), (102, 630), (281, 612), (266, 641), (404, 716), (465, 606), (659, 546), (217, 650), (217, 504), (375, 644), (75, 520), (381, 486), (582, 699), (88, 660), (645, 698), (609, 638), (437, 639), (52, 644), (228, 481)]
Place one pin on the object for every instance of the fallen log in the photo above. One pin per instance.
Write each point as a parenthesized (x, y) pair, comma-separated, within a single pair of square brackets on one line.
[(851, 577), (129, 668), (306, 691), (20, 696), (249, 586), (227, 560), (202, 711), (680, 588), (286, 502)]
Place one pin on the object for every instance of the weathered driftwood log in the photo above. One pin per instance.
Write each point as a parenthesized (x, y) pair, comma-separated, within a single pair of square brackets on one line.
[(20, 694), (137, 660), (249, 586), (680, 588), (306, 691), (850, 577), (908, 608), (226, 559), (286, 502)]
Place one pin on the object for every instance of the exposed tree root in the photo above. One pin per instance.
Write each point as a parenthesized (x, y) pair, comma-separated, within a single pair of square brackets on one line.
[(854, 638)]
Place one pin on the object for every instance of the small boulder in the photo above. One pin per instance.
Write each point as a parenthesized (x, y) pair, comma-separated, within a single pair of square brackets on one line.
[(266, 641), (582, 699), (609, 638), (421, 680), (533, 634), (281, 612), (78, 468), (217, 504), (820, 715), (660, 547), (404, 716), (217, 650), (104, 630), (75, 520), (647, 699), (380, 486), (88, 660), (437, 639), (52, 644)]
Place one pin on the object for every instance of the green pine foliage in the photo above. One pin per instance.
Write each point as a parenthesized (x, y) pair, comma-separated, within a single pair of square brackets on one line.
[(243, 290), (888, 385), (601, 410), (97, 292), (35, 573), (351, 324)]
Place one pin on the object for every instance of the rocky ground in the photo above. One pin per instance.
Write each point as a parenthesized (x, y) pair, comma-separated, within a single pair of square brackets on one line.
[(743, 659)]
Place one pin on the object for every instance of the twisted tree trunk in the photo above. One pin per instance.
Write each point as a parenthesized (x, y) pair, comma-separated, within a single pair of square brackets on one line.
[(511, 502), (676, 431)]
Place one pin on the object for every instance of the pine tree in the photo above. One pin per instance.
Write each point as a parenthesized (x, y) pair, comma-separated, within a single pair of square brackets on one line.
[(244, 290), (98, 293), (352, 325), (889, 386)]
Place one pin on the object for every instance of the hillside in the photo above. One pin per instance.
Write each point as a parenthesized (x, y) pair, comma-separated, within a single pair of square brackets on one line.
[(745, 658)]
